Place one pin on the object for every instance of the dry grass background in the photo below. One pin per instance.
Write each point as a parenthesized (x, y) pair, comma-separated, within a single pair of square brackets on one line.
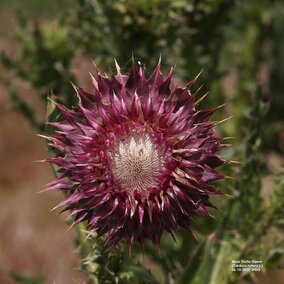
[(33, 240)]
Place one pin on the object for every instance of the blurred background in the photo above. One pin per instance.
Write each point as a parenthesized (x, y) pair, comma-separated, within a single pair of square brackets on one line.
[(44, 45)]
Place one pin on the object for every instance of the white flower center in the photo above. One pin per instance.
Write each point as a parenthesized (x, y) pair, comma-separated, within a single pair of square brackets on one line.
[(136, 163)]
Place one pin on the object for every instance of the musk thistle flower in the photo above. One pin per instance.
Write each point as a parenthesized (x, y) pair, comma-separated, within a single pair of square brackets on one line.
[(135, 157)]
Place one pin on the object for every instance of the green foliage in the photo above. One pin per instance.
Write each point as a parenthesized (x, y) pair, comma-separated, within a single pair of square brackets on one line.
[(103, 265), (44, 65), (104, 28), (26, 279), (247, 217)]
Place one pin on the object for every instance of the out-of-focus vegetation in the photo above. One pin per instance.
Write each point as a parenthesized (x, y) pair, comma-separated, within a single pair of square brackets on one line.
[(240, 47)]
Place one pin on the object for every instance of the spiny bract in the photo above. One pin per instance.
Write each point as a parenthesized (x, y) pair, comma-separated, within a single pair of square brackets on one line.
[(135, 156)]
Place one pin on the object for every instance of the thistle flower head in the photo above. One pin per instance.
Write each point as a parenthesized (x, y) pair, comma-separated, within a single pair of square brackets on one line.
[(135, 156)]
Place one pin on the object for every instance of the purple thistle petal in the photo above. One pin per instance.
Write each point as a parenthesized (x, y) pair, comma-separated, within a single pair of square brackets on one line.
[(135, 157)]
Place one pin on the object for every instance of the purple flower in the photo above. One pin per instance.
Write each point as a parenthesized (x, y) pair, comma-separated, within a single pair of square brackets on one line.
[(135, 156)]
